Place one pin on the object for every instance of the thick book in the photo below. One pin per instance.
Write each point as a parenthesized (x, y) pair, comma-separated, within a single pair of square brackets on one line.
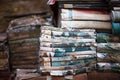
[(106, 37), (77, 14), (53, 54), (108, 57), (64, 50), (68, 58), (51, 28), (74, 44), (86, 25), (108, 47), (65, 40), (69, 71), (67, 33), (105, 67)]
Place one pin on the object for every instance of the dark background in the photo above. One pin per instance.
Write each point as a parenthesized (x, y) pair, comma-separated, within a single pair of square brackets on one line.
[(18, 7)]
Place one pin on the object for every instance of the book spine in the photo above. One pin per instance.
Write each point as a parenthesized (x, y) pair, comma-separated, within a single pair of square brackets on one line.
[(63, 50), (93, 15), (86, 24), (65, 40), (74, 44), (114, 67), (52, 54), (67, 34), (104, 38), (108, 57), (68, 58)]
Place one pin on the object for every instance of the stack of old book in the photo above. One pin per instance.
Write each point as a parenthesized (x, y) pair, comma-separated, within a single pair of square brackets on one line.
[(23, 36), (84, 14), (4, 53), (108, 52), (67, 51), (108, 56)]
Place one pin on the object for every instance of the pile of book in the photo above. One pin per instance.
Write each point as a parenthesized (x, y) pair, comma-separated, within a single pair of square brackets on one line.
[(4, 53), (94, 14), (83, 14), (23, 37), (108, 52), (65, 51)]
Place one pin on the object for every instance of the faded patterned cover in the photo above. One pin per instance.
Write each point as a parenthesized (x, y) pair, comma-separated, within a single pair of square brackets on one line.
[(67, 48)]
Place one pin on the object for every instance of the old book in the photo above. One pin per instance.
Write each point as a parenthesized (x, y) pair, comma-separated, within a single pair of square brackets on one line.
[(114, 67), (68, 58), (52, 54), (65, 40), (105, 37), (67, 33), (85, 62), (82, 62), (25, 21), (74, 44), (93, 15), (65, 29), (64, 50), (108, 57), (86, 25), (108, 47)]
